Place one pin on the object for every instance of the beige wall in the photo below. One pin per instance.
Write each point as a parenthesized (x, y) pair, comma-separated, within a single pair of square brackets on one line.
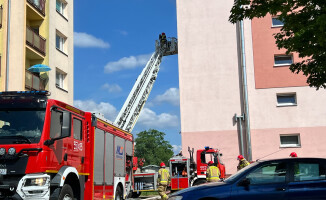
[(3, 44), (209, 83), (17, 46), (58, 60), (209, 78)]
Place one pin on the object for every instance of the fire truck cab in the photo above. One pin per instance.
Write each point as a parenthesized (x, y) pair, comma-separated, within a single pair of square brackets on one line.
[(51, 150), (185, 172)]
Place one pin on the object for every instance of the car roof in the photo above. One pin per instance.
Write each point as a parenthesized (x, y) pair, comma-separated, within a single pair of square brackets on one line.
[(291, 159)]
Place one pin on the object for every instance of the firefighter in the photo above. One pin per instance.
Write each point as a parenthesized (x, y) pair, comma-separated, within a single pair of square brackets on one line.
[(163, 181), (184, 172), (293, 155), (212, 173), (242, 162), (163, 39)]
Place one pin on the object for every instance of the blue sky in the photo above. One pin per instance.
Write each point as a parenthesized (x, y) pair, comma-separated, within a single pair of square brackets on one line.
[(113, 40)]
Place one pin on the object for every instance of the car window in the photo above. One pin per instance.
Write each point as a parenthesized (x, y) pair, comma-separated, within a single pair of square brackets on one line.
[(308, 171), (234, 177), (270, 173)]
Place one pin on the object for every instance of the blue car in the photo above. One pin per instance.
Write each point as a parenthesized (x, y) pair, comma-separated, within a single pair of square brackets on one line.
[(281, 179)]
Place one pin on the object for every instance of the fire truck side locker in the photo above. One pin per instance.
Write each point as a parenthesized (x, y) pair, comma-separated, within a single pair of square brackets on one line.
[(144, 182), (111, 146)]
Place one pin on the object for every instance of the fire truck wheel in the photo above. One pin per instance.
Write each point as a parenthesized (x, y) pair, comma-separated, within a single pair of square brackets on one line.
[(199, 182), (118, 194), (66, 193)]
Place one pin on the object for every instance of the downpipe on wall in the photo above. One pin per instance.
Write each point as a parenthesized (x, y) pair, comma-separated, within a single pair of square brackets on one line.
[(8, 45), (245, 93)]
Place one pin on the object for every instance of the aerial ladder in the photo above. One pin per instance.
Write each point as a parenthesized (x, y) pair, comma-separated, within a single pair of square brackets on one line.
[(130, 110)]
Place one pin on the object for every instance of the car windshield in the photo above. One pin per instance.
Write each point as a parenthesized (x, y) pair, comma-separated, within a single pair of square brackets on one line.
[(235, 176), (21, 126)]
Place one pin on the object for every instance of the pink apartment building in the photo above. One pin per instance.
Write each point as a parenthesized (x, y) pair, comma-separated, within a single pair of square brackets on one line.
[(234, 84)]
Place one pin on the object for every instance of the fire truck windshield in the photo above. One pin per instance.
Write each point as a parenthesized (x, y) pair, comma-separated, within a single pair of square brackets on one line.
[(208, 156), (21, 126)]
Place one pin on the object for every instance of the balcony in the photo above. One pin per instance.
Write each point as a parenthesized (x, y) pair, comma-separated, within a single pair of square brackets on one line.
[(39, 5), (35, 41), (34, 82)]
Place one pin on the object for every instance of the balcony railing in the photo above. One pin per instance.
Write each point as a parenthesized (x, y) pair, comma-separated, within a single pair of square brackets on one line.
[(38, 5), (33, 82), (35, 40)]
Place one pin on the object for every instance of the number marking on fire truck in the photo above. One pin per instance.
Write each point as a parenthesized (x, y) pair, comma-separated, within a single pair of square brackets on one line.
[(78, 146)]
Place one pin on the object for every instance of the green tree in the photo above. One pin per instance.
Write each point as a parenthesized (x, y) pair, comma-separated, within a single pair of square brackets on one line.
[(152, 146), (304, 31)]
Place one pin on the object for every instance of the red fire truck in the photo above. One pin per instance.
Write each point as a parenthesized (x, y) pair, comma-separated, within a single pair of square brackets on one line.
[(185, 172), (51, 150)]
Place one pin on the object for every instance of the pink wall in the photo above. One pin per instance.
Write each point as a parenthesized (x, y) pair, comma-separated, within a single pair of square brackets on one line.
[(267, 141), (225, 141), (264, 49), (265, 144)]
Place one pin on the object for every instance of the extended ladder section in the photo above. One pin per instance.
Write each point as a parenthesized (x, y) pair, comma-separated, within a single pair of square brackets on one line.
[(130, 111)]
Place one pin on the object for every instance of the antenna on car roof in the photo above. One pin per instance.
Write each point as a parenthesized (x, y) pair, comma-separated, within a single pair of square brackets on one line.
[(270, 154)]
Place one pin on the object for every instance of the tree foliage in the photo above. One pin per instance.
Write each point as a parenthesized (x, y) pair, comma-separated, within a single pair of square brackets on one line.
[(304, 31), (152, 146)]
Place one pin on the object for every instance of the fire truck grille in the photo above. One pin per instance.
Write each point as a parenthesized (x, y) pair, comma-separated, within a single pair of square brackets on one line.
[(8, 185)]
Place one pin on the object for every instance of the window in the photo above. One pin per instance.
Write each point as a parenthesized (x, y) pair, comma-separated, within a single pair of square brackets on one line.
[(282, 60), (276, 22), (61, 7), (308, 171), (290, 140), (271, 173), (208, 156), (77, 129), (286, 99), (60, 79), (60, 42), (60, 123), (56, 124)]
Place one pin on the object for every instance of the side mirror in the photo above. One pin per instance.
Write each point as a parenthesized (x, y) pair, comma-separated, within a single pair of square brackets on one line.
[(49, 142), (66, 124), (244, 182)]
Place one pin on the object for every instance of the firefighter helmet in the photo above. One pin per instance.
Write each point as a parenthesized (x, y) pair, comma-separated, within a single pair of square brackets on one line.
[(210, 163), (293, 155), (240, 157), (163, 33), (162, 164)]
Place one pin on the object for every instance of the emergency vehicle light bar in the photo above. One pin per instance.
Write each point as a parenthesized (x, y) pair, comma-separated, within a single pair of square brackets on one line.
[(38, 92)]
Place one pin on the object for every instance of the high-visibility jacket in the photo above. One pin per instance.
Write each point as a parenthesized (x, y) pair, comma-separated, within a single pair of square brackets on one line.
[(212, 174), (243, 163), (163, 38), (163, 176)]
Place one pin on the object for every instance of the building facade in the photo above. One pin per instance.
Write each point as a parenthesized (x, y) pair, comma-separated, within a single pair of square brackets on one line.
[(237, 93), (37, 32)]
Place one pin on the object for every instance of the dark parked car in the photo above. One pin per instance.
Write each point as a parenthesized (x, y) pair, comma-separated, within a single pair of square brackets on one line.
[(281, 179)]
